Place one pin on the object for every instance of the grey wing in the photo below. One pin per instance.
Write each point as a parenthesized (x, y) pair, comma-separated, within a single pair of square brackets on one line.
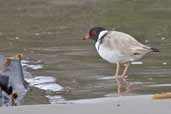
[(126, 44)]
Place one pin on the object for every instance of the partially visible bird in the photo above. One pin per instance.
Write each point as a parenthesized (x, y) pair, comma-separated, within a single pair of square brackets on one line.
[(118, 47)]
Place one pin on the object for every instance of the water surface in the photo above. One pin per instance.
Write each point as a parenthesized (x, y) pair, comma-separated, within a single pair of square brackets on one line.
[(49, 33)]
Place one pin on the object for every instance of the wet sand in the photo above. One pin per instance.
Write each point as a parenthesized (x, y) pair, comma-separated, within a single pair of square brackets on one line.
[(119, 105)]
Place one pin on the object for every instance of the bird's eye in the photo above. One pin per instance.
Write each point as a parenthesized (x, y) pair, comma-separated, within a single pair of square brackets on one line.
[(93, 33)]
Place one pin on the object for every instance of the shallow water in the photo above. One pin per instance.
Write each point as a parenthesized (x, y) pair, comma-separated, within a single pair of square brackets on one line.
[(49, 34)]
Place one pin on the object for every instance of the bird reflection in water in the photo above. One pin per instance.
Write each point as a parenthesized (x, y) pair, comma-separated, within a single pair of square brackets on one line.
[(122, 86)]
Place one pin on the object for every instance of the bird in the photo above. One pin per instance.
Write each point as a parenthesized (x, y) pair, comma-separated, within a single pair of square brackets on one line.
[(118, 47)]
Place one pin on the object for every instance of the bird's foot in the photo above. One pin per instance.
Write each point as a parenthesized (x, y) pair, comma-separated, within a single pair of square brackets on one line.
[(115, 77), (124, 77)]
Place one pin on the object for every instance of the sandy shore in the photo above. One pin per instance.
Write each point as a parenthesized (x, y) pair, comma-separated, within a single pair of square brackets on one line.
[(118, 105)]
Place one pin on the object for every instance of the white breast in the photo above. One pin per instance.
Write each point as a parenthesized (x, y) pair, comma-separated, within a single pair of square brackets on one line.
[(112, 56)]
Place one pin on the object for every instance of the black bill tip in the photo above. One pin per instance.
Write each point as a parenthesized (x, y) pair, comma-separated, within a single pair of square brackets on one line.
[(155, 50)]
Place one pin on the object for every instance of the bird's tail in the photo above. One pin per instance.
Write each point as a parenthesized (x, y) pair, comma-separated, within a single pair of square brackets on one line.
[(155, 50)]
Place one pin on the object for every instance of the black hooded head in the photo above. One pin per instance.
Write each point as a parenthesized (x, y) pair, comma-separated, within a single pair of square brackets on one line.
[(94, 33)]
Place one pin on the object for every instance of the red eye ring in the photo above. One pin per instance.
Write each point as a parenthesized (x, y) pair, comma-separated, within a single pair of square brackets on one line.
[(93, 33)]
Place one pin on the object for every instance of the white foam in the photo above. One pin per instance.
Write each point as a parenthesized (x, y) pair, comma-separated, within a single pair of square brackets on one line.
[(17, 38), (50, 87), (160, 85), (40, 80), (136, 83), (164, 63), (55, 99), (106, 78), (34, 67), (37, 34), (32, 64), (137, 63), (45, 83), (163, 38), (146, 41), (150, 78), (25, 61), (110, 95)]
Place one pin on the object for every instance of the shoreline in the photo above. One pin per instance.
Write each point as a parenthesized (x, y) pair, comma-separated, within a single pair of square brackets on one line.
[(119, 105)]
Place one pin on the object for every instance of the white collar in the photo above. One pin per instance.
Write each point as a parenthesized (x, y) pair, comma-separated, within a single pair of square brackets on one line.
[(102, 33)]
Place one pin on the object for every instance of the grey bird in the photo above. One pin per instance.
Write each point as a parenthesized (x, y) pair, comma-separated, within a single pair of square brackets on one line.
[(118, 47)]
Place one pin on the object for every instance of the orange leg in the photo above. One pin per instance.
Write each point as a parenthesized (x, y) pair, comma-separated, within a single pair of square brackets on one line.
[(117, 70), (125, 70)]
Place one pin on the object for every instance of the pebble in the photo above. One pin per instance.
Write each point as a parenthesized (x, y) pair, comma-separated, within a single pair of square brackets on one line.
[(146, 41), (118, 105), (163, 38), (164, 63), (150, 78), (17, 38), (37, 34)]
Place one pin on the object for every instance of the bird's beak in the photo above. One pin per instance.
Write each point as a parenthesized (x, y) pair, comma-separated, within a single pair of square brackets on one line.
[(86, 37)]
